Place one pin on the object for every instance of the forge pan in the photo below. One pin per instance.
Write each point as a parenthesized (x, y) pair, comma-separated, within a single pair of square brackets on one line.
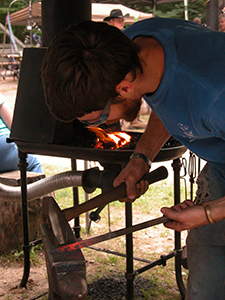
[(102, 155)]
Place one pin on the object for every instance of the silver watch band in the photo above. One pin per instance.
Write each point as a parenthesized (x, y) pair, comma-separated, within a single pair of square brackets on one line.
[(141, 156)]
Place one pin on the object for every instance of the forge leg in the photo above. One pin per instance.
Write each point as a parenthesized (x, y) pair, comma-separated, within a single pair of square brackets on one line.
[(129, 254), (75, 202), (176, 168), (26, 244)]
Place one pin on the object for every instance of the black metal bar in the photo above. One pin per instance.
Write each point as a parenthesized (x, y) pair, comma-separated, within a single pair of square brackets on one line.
[(129, 253), (39, 296), (192, 173), (76, 227), (161, 261), (36, 242), (151, 264), (26, 245), (118, 254), (176, 168)]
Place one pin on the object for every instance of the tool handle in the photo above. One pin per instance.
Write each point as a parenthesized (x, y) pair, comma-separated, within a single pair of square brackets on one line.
[(113, 194)]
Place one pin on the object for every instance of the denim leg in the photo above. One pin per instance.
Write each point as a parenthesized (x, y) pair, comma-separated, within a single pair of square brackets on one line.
[(9, 158), (206, 247), (33, 164)]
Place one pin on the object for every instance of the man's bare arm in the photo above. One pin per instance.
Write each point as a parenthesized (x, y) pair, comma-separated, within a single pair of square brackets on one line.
[(149, 144), (153, 138)]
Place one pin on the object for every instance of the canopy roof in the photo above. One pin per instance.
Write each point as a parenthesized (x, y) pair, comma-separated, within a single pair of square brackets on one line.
[(20, 17), (99, 12)]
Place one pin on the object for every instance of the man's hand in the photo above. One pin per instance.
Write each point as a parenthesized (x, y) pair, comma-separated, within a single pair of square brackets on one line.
[(150, 143), (185, 216), (131, 174)]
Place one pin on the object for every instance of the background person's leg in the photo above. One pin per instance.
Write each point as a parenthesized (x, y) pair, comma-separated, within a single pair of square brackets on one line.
[(9, 158)]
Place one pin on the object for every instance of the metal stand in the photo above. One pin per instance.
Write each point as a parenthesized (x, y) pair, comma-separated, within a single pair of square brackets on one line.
[(105, 185)]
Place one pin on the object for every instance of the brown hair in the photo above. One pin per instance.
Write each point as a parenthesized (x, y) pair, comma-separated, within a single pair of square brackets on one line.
[(222, 16), (82, 67)]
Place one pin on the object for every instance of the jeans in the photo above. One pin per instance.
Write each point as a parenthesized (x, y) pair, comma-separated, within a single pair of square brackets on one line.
[(206, 247), (9, 158)]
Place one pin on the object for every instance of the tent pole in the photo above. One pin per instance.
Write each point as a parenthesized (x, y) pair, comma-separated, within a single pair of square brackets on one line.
[(212, 18), (154, 8), (30, 22), (186, 9), (3, 50)]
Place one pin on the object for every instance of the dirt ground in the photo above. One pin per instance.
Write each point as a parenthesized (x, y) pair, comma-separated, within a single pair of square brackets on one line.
[(10, 278)]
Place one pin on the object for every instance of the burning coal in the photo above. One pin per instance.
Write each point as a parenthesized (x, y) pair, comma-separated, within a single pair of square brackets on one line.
[(112, 140)]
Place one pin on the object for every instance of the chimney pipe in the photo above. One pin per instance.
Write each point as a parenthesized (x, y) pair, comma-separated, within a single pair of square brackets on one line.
[(57, 15)]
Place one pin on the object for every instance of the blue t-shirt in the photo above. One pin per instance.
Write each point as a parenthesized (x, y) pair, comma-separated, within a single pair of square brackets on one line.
[(190, 99), (3, 128)]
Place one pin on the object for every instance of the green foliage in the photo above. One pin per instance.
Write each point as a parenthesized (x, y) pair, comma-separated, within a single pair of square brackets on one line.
[(176, 10), (36, 256)]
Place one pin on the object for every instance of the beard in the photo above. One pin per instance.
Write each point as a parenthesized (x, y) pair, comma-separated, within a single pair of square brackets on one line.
[(131, 109)]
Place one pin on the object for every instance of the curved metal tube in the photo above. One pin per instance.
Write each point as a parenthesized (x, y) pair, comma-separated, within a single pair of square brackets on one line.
[(42, 187)]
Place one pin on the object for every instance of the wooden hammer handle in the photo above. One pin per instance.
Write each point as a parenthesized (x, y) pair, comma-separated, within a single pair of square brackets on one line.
[(113, 194)]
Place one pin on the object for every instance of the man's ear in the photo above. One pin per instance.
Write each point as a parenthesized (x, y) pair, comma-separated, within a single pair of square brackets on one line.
[(124, 87)]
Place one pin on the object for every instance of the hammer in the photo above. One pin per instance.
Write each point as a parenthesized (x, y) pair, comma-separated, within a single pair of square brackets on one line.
[(111, 195)]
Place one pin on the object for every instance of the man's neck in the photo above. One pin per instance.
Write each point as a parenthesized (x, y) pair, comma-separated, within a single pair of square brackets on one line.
[(153, 61)]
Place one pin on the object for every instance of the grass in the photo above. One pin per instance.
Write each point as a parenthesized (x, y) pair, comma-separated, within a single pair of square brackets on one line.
[(149, 243)]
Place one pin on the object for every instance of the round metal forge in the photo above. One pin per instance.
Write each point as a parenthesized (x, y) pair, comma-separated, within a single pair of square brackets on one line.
[(171, 150)]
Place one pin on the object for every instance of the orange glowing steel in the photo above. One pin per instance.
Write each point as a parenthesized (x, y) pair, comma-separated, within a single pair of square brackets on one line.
[(110, 140)]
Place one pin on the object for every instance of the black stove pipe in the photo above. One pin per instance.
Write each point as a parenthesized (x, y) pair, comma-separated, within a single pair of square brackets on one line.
[(57, 15)]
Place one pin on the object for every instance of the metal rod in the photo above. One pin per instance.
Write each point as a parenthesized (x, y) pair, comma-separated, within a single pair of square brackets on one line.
[(111, 235), (119, 254), (158, 262)]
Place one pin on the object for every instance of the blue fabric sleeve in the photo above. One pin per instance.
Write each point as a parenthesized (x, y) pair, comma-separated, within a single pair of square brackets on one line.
[(217, 117)]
